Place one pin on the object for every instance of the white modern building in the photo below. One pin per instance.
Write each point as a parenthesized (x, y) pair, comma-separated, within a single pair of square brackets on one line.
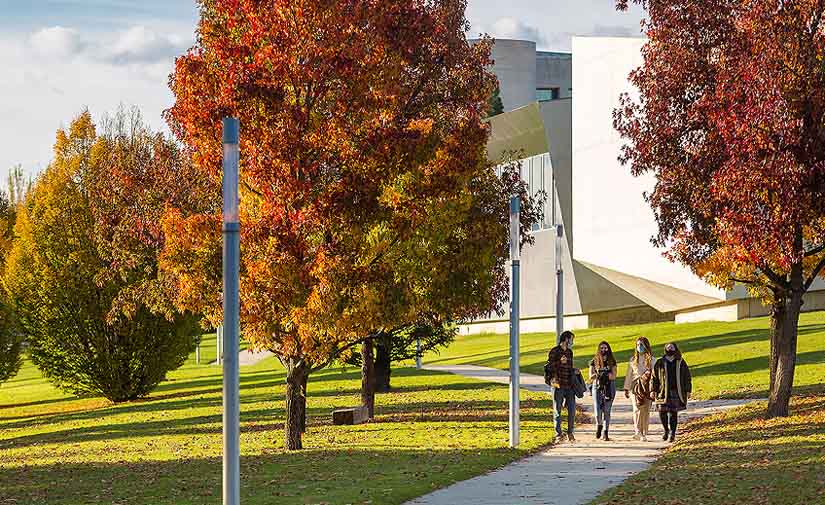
[(612, 273)]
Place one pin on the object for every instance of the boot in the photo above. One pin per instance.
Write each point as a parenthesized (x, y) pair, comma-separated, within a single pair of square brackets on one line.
[(598, 432), (606, 437), (665, 436), (672, 437)]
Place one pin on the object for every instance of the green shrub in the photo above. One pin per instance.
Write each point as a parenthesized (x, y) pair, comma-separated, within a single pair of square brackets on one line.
[(82, 273)]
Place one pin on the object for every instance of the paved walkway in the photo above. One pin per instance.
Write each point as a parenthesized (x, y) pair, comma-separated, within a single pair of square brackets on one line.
[(566, 474), (246, 357)]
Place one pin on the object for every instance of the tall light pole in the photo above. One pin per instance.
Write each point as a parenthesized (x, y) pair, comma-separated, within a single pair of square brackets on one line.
[(558, 228), (515, 235), (231, 315)]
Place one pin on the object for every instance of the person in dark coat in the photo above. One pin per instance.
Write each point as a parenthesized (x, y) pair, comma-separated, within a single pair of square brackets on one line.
[(560, 374), (670, 388)]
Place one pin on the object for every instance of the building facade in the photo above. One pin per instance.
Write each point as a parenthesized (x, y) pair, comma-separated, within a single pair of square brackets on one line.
[(612, 273), (526, 75)]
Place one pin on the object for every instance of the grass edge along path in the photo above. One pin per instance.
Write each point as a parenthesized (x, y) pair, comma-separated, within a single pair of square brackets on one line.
[(434, 430), (738, 457), (727, 359)]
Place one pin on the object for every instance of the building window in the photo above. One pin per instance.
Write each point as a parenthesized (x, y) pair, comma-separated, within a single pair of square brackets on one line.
[(536, 171), (545, 94)]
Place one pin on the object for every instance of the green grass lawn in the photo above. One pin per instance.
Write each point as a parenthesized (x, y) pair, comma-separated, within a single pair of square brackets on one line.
[(739, 457), (434, 430), (726, 359)]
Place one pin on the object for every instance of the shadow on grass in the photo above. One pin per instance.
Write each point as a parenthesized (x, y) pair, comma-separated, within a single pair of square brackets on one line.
[(349, 475), (270, 419)]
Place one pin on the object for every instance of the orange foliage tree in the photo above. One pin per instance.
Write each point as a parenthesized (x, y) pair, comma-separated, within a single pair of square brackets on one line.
[(731, 121), (366, 198)]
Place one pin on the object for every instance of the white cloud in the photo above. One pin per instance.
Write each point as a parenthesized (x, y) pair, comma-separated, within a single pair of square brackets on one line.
[(52, 74), (57, 42), (510, 28), (140, 44), (137, 44)]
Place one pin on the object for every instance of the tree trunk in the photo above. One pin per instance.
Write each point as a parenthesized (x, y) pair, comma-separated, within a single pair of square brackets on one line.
[(382, 368), (304, 404), (296, 379), (778, 311), (783, 345), (367, 378)]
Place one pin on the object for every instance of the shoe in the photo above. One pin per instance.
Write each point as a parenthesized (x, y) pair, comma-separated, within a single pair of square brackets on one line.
[(560, 437), (598, 432), (643, 438), (665, 437), (570, 437), (606, 438), (636, 436), (672, 437)]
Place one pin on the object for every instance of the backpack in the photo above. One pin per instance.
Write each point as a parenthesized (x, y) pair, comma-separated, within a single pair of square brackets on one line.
[(548, 373)]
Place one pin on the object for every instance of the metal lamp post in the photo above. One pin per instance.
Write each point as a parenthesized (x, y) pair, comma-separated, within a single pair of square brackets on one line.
[(515, 234), (559, 284), (559, 229), (231, 315)]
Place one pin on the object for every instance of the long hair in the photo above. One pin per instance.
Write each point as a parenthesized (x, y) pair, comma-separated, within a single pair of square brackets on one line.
[(648, 353), (678, 352), (609, 360)]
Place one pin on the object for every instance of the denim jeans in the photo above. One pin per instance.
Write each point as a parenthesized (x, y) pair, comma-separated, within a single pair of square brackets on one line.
[(567, 397), (602, 408)]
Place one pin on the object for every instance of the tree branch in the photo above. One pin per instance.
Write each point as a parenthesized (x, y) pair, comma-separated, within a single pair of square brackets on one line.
[(339, 352), (814, 274), (774, 277)]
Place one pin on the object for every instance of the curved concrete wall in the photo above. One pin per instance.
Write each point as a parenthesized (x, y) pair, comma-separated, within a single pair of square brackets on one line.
[(514, 63)]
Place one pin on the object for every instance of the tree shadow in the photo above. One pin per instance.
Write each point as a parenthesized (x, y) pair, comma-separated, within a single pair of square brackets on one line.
[(349, 475)]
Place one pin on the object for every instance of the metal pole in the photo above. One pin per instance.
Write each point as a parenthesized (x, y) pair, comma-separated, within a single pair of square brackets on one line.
[(515, 208), (559, 284), (198, 353), (559, 228), (231, 315), (418, 354)]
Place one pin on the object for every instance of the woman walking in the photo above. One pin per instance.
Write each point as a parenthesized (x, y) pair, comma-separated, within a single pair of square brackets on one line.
[(671, 387), (637, 383), (603, 384)]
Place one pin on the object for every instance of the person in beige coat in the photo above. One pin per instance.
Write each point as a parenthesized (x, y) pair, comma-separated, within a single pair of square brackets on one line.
[(639, 367)]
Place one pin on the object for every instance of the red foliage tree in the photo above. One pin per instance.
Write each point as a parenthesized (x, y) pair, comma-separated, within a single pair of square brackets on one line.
[(731, 121), (363, 165)]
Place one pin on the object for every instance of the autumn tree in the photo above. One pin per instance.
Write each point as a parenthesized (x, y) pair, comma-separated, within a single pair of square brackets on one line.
[(363, 148), (83, 271), (730, 119), (11, 340), (483, 234)]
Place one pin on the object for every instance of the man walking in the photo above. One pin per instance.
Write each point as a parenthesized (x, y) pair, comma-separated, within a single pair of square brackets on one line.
[(558, 373)]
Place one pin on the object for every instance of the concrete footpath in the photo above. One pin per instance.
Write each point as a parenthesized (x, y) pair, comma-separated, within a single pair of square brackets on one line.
[(566, 474)]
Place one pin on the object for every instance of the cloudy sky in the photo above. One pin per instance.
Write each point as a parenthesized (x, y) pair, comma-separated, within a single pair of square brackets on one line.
[(59, 56)]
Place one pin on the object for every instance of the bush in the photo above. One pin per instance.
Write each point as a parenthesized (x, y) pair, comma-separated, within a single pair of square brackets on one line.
[(82, 274)]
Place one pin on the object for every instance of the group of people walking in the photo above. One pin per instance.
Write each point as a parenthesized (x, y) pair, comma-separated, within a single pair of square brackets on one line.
[(665, 381)]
